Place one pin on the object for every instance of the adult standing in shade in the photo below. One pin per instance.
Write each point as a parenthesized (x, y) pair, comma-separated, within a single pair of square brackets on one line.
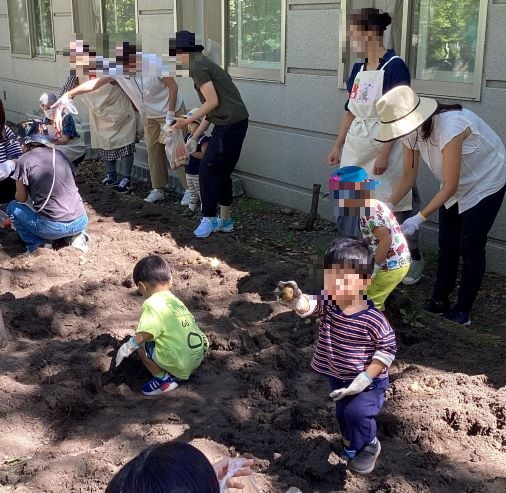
[(222, 106), (469, 160), (355, 144)]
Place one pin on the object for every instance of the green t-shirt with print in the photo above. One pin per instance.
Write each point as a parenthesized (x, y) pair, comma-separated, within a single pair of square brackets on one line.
[(180, 346)]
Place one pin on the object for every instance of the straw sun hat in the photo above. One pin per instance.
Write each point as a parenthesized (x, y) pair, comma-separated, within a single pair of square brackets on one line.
[(401, 111)]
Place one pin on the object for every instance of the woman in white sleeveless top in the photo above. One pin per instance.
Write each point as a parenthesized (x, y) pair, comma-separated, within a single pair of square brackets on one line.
[(469, 160)]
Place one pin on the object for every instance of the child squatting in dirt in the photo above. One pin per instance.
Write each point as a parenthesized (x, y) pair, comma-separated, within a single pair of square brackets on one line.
[(167, 339), (356, 345)]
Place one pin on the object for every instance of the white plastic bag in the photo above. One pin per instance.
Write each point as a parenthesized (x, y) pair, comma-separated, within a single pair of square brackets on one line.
[(175, 149)]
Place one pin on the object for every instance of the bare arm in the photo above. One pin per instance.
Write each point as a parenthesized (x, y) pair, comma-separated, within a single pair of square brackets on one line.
[(89, 86), (173, 88), (408, 178), (142, 337), (202, 128), (343, 129), (334, 157), (375, 368), (385, 242), (452, 158), (21, 192)]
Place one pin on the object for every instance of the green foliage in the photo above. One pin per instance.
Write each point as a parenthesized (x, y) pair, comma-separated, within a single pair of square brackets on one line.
[(260, 30), (451, 33), (42, 15), (119, 16)]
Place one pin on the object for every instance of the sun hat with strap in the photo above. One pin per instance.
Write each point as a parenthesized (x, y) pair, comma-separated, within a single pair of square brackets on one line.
[(401, 111)]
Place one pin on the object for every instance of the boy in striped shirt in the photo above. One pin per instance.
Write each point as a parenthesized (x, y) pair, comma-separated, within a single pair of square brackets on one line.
[(356, 345)]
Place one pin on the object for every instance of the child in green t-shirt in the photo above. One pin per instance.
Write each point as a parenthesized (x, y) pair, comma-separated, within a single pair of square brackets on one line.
[(167, 339)]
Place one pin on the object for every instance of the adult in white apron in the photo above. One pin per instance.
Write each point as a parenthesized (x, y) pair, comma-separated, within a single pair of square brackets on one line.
[(355, 144), (68, 141), (113, 128)]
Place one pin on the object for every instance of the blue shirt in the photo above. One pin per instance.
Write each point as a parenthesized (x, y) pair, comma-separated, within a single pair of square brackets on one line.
[(396, 73)]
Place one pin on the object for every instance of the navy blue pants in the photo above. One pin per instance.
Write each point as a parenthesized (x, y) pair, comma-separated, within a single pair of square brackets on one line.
[(464, 235), (356, 414), (215, 172)]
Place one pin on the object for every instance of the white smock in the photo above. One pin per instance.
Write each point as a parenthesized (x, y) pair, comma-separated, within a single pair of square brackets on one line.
[(360, 148)]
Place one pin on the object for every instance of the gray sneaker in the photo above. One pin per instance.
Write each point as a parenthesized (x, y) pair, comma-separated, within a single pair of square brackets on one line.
[(365, 461), (415, 272)]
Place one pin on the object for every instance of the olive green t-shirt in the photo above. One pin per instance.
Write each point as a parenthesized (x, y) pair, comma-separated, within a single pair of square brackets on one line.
[(231, 108), (180, 346)]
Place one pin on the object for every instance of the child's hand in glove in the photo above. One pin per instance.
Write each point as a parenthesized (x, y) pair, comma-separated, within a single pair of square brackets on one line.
[(289, 294), (126, 350), (361, 382)]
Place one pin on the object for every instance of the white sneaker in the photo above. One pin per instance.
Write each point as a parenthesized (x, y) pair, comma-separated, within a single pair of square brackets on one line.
[(80, 241), (207, 226), (415, 272), (186, 198), (154, 196)]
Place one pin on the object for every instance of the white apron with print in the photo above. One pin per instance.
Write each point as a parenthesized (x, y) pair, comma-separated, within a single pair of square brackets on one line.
[(73, 149), (360, 148)]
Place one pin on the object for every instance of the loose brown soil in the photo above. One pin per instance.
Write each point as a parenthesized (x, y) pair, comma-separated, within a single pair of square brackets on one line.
[(70, 420)]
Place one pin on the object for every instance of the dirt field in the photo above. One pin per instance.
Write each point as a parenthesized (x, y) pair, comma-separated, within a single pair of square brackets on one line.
[(69, 420)]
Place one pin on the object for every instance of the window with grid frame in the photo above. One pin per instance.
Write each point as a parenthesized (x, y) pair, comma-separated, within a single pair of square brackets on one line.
[(104, 16), (246, 37), (31, 27), (442, 41)]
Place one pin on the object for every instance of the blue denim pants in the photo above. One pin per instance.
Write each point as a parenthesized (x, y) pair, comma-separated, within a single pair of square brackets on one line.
[(36, 229), (356, 414)]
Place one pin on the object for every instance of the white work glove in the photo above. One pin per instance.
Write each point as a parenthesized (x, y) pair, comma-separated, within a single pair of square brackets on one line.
[(411, 225), (62, 106), (170, 117), (126, 350), (361, 382), (377, 268), (7, 168), (191, 146), (289, 294)]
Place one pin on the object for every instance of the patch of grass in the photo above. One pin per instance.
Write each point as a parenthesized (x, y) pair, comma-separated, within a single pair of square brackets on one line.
[(245, 205)]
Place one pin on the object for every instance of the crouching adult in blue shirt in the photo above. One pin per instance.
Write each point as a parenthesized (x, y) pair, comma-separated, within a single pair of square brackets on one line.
[(47, 206)]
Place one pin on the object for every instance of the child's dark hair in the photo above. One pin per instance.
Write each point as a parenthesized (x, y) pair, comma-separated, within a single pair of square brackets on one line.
[(370, 20), (154, 269), (426, 128), (350, 253), (168, 468)]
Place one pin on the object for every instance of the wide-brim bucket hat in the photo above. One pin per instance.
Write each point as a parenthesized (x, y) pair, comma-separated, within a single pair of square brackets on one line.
[(184, 42), (401, 111)]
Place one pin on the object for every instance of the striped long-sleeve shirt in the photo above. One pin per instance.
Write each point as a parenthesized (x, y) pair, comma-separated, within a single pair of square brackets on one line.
[(347, 343), (9, 147)]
